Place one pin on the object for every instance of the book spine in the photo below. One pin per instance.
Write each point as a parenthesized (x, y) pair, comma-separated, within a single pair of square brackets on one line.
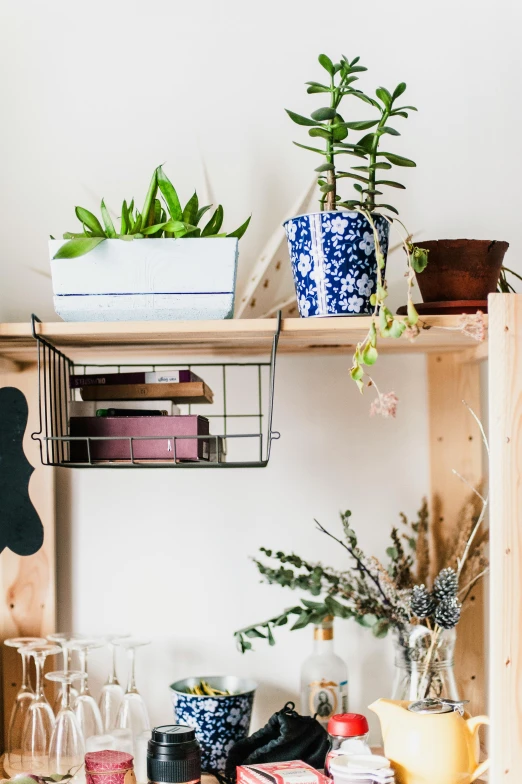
[(156, 377)]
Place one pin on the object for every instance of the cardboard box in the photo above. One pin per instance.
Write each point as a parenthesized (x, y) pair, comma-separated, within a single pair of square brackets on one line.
[(165, 448), (294, 772)]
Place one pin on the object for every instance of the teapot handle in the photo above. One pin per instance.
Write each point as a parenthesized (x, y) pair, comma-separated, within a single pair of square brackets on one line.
[(473, 725)]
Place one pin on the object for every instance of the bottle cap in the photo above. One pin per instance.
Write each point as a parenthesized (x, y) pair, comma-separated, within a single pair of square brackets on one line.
[(348, 725)]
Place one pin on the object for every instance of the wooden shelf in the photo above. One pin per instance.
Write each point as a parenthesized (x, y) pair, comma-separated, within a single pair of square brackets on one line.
[(228, 337)]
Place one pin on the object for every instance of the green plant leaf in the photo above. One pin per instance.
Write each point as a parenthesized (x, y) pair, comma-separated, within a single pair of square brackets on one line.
[(352, 176), (390, 131), (401, 108), (369, 354), (320, 132), (201, 212), (149, 230), (169, 194), (384, 95), (325, 167), (254, 633), (314, 89), (324, 113), (361, 125), (399, 90), (190, 210), (302, 621), (365, 98), (78, 247), (125, 224), (214, 224), (387, 207), (366, 143), (312, 149), (270, 636), (398, 160), (147, 212), (107, 220), (413, 316), (381, 628), (318, 84), (196, 233), (89, 220), (299, 119), (391, 183), (419, 259), (136, 226), (327, 64)]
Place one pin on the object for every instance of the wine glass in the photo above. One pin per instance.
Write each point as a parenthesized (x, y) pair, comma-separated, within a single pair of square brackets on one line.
[(111, 694), (133, 712), (39, 721), (21, 703), (63, 639), (66, 750), (85, 707)]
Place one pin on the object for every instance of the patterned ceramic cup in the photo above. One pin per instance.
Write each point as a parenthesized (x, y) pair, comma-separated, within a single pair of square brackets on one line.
[(333, 261), (219, 722)]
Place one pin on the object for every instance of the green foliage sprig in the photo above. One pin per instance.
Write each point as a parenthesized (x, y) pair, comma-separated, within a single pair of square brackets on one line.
[(159, 217), (328, 124)]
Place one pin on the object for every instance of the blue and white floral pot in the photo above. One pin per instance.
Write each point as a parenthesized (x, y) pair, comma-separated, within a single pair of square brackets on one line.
[(219, 722), (333, 261)]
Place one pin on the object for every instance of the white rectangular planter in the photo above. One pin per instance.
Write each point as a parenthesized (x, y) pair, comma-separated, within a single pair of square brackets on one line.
[(147, 280)]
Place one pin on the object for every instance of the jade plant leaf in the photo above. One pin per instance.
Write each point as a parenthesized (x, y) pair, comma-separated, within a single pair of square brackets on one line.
[(78, 247)]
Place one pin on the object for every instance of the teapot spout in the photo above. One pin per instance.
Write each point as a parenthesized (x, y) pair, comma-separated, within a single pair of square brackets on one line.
[(388, 711)]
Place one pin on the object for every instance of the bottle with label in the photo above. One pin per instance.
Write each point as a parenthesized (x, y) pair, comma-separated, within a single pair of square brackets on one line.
[(324, 677)]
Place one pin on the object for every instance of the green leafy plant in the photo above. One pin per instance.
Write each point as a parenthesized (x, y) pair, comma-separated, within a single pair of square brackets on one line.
[(504, 285), (161, 216), (327, 123)]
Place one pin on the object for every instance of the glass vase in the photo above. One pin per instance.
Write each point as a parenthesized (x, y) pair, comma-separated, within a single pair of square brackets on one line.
[(424, 664)]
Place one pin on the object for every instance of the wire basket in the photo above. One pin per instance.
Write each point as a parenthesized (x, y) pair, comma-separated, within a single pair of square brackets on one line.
[(240, 418)]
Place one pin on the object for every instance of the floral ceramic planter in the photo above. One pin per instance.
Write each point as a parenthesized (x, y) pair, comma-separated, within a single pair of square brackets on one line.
[(219, 722), (333, 261)]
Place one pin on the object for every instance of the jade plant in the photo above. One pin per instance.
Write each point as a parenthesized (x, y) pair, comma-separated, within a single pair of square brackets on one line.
[(329, 124), (159, 217)]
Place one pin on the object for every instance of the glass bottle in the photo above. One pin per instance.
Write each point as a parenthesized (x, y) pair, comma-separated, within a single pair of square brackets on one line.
[(324, 677)]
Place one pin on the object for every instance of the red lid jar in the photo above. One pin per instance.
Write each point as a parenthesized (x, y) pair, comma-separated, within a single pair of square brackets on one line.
[(345, 727), (109, 767)]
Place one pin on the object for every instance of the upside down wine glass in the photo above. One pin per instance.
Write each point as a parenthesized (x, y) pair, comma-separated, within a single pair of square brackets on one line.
[(39, 721), (85, 707), (111, 694), (133, 712), (64, 640), (67, 749), (21, 704)]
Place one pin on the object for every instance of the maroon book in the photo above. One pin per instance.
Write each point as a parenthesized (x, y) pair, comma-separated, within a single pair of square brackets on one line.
[(166, 447), (137, 377)]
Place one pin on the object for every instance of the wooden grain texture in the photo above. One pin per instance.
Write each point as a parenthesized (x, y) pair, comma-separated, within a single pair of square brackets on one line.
[(27, 584), (505, 412), (245, 336), (455, 443)]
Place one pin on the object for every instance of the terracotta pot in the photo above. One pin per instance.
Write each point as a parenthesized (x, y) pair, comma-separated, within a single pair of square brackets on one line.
[(461, 269)]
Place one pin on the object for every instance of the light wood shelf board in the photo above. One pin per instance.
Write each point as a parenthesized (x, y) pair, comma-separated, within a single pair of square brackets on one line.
[(227, 337)]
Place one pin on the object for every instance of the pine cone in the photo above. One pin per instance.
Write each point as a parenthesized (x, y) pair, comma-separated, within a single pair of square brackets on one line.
[(422, 602), (446, 585), (447, 613)]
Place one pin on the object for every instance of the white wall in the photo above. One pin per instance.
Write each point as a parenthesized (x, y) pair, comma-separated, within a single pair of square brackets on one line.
[(92, 98), (165, 553)]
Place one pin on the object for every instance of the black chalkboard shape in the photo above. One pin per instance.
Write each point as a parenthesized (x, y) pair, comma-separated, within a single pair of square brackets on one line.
[(21, 529)]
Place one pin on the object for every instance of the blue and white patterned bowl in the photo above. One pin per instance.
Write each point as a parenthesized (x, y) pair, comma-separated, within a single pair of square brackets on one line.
[(219, 722), (333, 261)]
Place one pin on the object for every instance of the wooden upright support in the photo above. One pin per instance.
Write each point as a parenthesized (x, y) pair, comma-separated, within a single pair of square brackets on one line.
[(455, 443), (27, 584), (505, 648)]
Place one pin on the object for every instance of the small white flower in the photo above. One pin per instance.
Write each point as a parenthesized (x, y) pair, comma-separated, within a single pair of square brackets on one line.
[(210, 705), (304, 265), (339, 225), (347, 284), (365, 285), (291, 229), (355, 303), (367, 244), (304, 306)]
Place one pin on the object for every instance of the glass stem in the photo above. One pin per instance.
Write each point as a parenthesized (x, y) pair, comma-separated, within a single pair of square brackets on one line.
[(26, 683), (39, 660), (66, 695), (84, 689), (113, 677), (131, 685)]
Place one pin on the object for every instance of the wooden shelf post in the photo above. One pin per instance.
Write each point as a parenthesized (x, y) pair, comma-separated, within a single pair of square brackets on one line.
[(505, 435), (27, 584)]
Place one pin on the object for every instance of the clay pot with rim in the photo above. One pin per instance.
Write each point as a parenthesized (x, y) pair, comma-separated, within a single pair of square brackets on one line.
[(461, 269)]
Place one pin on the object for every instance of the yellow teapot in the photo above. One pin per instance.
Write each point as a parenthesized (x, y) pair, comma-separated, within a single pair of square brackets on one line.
[(430, 742)]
